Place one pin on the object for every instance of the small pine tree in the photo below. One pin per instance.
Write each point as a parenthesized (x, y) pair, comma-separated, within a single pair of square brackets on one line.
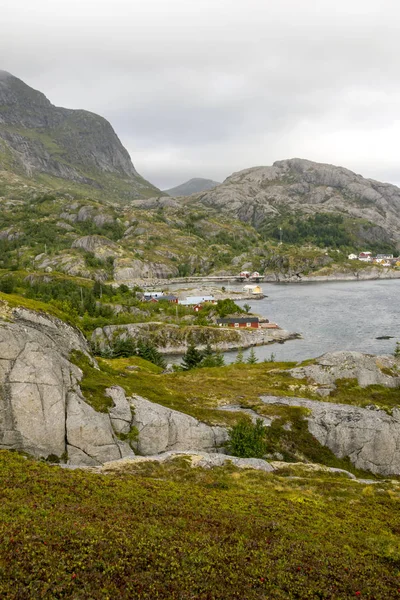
[(124, 347), (192, 358), (239, 357), (219, 359), (252, 358)]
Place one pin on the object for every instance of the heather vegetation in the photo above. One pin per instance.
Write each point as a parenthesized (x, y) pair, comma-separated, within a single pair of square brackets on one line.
[(171, 531)]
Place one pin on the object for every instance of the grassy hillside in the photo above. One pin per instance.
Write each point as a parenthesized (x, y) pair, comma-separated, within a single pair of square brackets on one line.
[(175, 532)]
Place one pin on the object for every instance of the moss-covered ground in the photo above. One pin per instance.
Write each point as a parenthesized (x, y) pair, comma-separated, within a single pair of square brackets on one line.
[(173, 532)]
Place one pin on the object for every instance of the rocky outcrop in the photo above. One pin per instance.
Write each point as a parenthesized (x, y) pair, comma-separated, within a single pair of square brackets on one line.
[(367, 369), (134, 270), (197, 459), (172, 339), (370, 438), (162, 429), (338, 274), (98, 245), (42, 410), (90, 437)]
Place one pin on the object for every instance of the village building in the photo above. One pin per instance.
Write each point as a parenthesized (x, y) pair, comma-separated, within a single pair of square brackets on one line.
[(240, 322), (153, 295), (252, 289), (193, 300), (365, 256), (170, 298)]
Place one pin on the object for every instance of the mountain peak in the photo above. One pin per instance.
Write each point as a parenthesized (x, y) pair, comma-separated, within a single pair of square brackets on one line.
[(4, 74), (75, 145), (193, 186)]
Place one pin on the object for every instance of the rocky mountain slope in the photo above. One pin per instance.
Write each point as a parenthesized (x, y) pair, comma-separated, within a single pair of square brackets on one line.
[(40, 141), (271, 197), (193, 186)]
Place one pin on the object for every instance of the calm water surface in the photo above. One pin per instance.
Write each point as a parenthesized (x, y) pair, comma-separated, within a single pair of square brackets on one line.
[(330, 316)]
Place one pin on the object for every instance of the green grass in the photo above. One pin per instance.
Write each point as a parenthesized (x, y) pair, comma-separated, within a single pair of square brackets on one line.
[(349, 392), (198, 392), (173, 532)]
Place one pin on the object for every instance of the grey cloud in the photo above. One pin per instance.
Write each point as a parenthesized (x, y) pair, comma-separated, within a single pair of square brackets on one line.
[(205, 87)]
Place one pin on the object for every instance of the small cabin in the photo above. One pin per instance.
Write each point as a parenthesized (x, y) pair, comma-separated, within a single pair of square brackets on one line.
[(252, 289), (170, 298), (153, 295), (239, 322)]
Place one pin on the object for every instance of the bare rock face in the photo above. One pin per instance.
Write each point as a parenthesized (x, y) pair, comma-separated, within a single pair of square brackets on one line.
[(42, 410), (162, 429), (197, 459), (367, 369), (126, 271), (90, 432), (121, 412), (171, 339), (98, 245), (370, 438)]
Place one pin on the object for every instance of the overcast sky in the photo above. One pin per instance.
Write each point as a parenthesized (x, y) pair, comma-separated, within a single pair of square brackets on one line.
[(202, 88)]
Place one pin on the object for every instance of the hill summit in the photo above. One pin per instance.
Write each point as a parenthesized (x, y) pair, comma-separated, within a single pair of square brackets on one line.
[(291, 192), (193, 186), (41, 141)]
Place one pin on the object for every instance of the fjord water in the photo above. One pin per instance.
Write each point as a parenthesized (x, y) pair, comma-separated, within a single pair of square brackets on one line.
[(330, 316)]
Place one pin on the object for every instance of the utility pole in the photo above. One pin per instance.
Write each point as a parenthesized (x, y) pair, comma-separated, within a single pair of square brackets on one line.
[(280, 236)]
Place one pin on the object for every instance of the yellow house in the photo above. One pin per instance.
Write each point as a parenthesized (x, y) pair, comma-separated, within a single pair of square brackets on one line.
[(252, 289)]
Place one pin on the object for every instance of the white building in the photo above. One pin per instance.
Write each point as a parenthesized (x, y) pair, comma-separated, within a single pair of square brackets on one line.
[(193, 300)]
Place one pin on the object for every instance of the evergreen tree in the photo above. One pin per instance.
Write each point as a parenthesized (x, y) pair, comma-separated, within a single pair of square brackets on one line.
[(192, 358), (239, 357), (124, 347), (219, 359), (97, 289), (149, 352), (252, 358)]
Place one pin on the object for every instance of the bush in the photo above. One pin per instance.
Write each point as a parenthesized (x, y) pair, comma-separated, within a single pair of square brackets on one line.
[(247, 439), (7, 285)]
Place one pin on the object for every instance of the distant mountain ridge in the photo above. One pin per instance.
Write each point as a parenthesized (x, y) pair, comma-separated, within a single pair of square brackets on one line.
[(193, 186), (38, 139)]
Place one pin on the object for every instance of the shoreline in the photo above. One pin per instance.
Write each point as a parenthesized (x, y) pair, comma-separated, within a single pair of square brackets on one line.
[(174, 341), (269, 278)]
